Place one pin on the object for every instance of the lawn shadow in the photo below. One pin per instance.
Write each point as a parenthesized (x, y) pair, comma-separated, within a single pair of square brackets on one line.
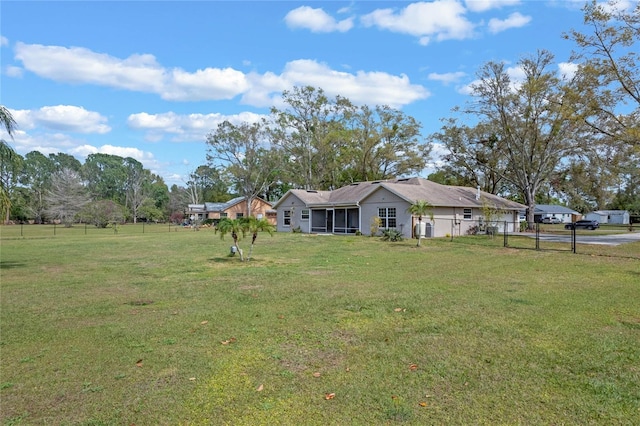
[(9, 265)]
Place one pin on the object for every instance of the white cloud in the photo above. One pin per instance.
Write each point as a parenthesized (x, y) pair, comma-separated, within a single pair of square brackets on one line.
[(447, 78), (515, 20), (484, 5), (67, 118), (316, 20), (4, 41), (146, 158), (15, 72), (567, 70), (186, 127), (441, 19), (141, 73), (80, 65), (361, 88)]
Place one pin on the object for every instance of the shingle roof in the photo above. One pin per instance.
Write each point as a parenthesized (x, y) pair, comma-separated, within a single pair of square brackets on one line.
[(410, 189), (554, 209)]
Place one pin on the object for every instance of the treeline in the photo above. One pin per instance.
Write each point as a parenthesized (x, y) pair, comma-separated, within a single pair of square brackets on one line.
[(571, 139)]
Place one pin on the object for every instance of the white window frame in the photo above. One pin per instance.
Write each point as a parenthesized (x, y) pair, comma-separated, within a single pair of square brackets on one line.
[(467, 214), (305, 214), (388, 217), (286, 218)]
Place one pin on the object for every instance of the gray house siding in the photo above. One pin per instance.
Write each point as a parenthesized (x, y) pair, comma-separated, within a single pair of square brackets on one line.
[(289, 215), (383, 199), (351, 208)]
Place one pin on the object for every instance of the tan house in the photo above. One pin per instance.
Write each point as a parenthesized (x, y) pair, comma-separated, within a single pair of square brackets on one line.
[(233, 209)]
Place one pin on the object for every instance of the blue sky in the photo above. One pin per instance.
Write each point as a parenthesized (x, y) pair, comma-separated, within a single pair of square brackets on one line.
[(149, 80)]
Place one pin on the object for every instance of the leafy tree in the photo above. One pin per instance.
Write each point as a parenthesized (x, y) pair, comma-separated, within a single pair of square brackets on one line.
[(106, 176), (66, 161), (608, 78), (382, 143), (178, 200), (208, 183), (103, 212), (529, 120), (241, 150), (421, 208), (149, 211), (36, 176), (475, 157), (67, 196), (9, 161), (310, 133)]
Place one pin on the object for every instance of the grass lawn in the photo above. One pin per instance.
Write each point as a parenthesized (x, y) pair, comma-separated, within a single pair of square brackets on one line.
[(163, 328)]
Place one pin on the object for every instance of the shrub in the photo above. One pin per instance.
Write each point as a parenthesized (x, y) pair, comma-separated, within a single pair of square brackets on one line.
[(392, 235)]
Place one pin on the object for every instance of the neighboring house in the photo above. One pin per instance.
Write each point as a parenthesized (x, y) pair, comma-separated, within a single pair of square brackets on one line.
[(617, 217), (351, 209), (232, 209), (565, 214)]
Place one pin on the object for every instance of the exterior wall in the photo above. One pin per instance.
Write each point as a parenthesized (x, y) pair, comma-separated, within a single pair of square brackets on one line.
[(259, 209), (385, 199), (292, 204)]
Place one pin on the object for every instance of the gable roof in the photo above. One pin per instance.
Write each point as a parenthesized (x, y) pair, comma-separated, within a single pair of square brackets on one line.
[(221, 207), (553, 209), (409, 189)]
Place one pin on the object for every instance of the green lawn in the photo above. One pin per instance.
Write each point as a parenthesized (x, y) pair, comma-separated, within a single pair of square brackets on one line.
[(163, 328)]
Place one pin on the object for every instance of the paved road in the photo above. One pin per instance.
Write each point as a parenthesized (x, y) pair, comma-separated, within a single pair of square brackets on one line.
[(609, 240)]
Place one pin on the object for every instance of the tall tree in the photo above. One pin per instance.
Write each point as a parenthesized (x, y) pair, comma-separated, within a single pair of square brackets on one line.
[(475, 157), (309, 130), (67, 196), (65, 161), (608, 84), (106, 177), (9, 160), (529, 119), (382, 143), (245, 153), (36, 176)]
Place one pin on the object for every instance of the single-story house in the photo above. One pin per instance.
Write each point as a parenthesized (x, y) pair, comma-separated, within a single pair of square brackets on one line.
[(232, 209), (353, 208), (565, 214), (617, 217)]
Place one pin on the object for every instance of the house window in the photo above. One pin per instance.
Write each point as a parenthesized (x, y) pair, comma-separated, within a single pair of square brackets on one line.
[(466, 214), (304, 214), (286, 216), (223, 215), (387, 217), (239, 215)]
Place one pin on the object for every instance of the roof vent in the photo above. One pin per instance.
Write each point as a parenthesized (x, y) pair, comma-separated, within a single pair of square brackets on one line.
[(312, 191)]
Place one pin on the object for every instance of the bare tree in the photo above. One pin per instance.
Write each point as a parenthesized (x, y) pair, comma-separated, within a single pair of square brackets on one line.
[(67, 196)]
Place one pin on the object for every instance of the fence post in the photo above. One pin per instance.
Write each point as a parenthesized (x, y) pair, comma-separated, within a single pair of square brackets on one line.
[(21, 229), (506, 243), (573, 238), (538, 236)]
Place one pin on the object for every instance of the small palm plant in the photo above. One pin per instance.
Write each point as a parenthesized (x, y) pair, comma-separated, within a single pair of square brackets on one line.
[(233, 227), (421, 208), (252, 225)]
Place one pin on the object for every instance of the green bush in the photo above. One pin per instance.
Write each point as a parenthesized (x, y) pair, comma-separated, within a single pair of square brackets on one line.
[(391, 235)]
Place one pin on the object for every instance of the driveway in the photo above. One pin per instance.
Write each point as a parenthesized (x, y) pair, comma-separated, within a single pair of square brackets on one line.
[(609, 240)]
